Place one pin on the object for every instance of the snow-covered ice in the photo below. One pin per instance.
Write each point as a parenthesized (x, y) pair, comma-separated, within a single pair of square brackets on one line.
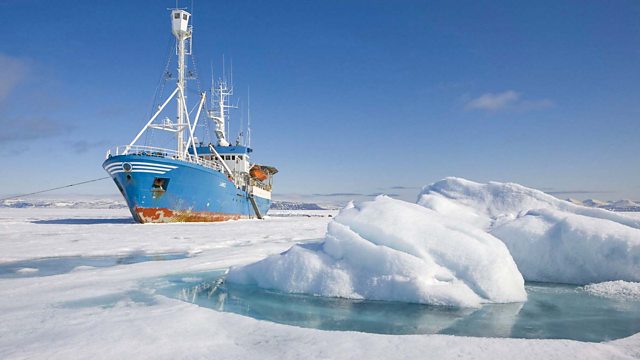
[(104, 313), (551, 240), (489, 205), (389, 249), (554, 246)]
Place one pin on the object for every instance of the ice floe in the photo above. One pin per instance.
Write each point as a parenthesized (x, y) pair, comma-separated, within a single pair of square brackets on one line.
[(448, 249), (389, 249)]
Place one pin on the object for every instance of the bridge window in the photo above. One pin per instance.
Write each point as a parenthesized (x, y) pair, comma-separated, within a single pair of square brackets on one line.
[(176, 15)]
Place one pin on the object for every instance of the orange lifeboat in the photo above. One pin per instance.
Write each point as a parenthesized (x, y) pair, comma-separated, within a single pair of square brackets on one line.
[(256, 172)]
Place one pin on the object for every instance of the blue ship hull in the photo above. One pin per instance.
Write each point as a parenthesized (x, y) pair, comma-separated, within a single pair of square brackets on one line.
[(160, 189)]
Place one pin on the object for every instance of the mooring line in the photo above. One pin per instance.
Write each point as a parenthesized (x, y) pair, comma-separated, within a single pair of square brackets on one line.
[(56, 188)]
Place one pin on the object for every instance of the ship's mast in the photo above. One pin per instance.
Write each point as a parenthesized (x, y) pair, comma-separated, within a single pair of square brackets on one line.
[(220, 117), (182, 31)]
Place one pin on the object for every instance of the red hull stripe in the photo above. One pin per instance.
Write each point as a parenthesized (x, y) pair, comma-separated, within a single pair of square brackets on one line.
[(164, 215)]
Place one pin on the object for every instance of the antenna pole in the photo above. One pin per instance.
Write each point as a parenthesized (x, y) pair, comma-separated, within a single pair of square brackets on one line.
[(221, 107), (248, 143)]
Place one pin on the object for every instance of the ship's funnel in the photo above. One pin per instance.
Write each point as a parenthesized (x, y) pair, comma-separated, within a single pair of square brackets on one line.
[(180, 23)]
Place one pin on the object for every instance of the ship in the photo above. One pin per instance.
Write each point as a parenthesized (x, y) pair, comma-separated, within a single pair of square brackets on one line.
[(190, 180)]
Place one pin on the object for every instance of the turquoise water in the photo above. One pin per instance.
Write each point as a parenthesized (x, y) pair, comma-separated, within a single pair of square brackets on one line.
[(553, 311)]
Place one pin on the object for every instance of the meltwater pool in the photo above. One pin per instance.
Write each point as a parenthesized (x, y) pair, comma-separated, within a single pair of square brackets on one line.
[(553, 311)]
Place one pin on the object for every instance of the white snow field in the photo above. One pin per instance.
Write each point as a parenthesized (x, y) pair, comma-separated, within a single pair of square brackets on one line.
[(551, 240), (393, 250), (105, 312)]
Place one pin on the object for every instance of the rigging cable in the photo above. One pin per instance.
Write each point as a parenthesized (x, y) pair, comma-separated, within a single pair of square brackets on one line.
[(56, 188), (171, 45)]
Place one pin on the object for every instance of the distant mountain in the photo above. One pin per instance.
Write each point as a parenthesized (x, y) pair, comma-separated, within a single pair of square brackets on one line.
[(120, 204), (625, 203), (575, 201), (81, 203), (594, 203), (64, 204), (620, 205), (289, 205)]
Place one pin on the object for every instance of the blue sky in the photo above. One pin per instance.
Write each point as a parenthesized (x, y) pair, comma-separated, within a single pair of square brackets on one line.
[(347, 97)]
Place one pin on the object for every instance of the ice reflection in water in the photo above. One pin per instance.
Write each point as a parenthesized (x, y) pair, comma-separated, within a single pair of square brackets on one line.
[(552, 311)]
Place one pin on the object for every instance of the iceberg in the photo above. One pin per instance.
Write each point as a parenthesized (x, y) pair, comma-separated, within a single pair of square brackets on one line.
[(551, 240), (393, 250)]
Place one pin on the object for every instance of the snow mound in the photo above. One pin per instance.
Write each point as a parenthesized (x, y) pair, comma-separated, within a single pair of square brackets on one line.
[(551, 240), (392, 250), (491, 204), (554, 246), (616, 289)]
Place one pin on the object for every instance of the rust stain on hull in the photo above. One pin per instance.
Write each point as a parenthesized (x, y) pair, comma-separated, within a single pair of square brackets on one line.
[(164, 215)]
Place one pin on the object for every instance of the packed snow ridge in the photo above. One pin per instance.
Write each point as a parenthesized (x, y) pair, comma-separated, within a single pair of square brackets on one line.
[(393, 250), (551, 240)]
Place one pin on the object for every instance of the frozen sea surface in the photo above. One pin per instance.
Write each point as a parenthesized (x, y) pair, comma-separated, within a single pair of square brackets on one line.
[(110, 312), (60, 265)]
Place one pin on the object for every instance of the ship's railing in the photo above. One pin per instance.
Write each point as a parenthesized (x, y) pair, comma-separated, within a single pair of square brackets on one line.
[(161, 153)]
